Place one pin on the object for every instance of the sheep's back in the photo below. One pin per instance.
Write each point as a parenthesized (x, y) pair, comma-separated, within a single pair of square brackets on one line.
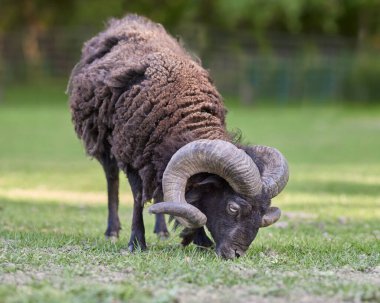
[(141, 97), (112, 58)]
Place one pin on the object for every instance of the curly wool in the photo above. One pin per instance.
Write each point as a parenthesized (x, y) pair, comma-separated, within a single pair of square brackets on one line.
[(138, 96)]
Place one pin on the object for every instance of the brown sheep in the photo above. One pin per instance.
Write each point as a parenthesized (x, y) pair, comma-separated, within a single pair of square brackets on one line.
[(137, 99)]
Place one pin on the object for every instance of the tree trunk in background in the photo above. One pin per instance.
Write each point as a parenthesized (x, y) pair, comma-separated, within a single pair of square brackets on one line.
[(2, 68), (31, 47), (30, 43), (363, 28)]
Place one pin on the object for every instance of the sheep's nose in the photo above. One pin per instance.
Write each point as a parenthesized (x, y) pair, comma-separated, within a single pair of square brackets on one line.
[(229, 252)]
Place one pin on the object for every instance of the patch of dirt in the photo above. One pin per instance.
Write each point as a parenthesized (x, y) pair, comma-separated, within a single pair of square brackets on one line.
[(243, 294), (28, 276), (343, 220), (279, 293), (7, 242), (376, 234), (103, 274), (281, 224), (370, 276), (244, 272), (57, 275)]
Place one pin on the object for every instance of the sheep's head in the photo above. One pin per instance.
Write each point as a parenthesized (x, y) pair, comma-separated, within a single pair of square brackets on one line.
[(232, 199)]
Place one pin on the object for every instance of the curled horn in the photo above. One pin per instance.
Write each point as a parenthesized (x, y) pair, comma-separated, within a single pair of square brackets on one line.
[(275, 171), (212, 156), (185, 210)]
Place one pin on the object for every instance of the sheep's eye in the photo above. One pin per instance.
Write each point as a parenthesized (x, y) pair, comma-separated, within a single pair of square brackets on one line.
[(233, 208)]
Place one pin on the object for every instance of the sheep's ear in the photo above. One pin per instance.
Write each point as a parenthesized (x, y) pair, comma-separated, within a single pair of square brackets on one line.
[(197, 188), (210, 180), (271, 216)]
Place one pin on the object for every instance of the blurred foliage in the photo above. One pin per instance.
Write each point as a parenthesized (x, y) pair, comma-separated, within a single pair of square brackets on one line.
[(349, 18), (362, 81), (256, 49)]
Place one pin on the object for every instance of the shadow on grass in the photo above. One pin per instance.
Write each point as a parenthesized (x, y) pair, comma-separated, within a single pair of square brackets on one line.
[(336, 188), (326, 206)]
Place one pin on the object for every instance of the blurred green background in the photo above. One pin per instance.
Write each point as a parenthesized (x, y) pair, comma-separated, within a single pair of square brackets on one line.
[(258, 51), (300, 75)]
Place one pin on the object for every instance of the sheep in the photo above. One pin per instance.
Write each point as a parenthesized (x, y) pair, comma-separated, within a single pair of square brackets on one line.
[(143, 105)]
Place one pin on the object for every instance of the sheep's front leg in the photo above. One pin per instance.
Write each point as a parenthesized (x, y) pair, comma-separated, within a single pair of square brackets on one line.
[(137, 240), (197, 236), (201, 239)]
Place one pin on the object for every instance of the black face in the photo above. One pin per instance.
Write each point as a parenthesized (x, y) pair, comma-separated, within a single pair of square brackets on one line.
[(232, 221)]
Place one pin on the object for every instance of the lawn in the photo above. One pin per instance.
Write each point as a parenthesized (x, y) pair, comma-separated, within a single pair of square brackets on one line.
[(326, 247)]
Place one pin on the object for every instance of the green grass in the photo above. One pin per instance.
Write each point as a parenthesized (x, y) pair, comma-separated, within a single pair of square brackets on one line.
[(53, 215)]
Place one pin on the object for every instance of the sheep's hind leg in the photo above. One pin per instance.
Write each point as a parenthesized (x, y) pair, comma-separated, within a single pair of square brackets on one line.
[(111, 171), (137, 240), (160, 226)]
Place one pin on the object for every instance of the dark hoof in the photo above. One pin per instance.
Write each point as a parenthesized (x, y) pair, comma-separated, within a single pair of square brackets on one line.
[(112, 232), (112, 236), (163, 235), (135, 247), (112, 239), (137, 242)]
